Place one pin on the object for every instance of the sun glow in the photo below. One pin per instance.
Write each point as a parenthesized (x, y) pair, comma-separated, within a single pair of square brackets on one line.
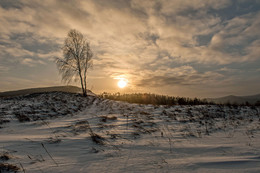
[(121, 84)]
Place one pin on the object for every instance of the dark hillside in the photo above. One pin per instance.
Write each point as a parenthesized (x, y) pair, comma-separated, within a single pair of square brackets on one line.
[(70, 89)]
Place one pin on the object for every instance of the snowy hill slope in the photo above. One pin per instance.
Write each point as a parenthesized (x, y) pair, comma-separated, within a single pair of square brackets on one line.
[(65, 132), (70, 89)]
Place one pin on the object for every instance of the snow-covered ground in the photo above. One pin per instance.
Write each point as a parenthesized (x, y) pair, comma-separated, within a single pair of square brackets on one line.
[(64, 132)]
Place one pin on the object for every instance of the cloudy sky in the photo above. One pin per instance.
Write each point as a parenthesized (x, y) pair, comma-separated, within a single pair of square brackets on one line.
[(202, 48)]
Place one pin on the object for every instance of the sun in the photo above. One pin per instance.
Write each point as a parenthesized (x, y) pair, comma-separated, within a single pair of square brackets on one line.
[(121, 84)]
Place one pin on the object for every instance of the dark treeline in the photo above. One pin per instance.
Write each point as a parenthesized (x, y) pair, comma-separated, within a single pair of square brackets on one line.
[(147, 98)]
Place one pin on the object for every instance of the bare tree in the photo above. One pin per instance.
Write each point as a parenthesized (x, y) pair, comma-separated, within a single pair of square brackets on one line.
[(77, 59)]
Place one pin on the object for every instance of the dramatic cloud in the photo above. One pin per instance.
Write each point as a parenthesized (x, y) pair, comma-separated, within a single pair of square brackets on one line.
[(154, 44)]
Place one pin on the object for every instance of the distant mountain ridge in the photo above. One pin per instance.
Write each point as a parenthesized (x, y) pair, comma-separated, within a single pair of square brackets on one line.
[(252, 99), (70, 89)]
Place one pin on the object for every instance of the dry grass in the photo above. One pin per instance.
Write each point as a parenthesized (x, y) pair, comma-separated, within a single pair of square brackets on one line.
[(80, 126), (97, 138), (3, 121), (52, 140), (5, 157), (107, 118), (22, 117), (6, 167)]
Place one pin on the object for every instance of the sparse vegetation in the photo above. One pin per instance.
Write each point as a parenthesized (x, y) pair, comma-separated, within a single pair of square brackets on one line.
[(7, 167), (107, 118), (21, 117), (97, 138), (80, 126), (41, 106), (5, 156), (111, 128)]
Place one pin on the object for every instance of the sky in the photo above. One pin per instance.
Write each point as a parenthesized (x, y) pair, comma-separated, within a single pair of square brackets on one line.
[(198, 48)]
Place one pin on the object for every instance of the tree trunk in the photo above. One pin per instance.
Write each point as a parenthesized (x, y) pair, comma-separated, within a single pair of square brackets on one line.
[(85, 83), (82, 85)]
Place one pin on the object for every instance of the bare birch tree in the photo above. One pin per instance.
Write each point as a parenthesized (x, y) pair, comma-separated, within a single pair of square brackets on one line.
[(76, 60)]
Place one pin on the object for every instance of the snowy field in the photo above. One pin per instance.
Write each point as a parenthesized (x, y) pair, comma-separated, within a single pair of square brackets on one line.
[(64, 132)]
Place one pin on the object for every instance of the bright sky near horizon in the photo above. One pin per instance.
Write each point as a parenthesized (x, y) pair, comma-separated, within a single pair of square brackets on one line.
[(202, 48)]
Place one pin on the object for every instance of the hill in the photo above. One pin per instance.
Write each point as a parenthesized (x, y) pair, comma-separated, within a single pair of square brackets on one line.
[(236, 99), (69, 89), (66, 132)]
